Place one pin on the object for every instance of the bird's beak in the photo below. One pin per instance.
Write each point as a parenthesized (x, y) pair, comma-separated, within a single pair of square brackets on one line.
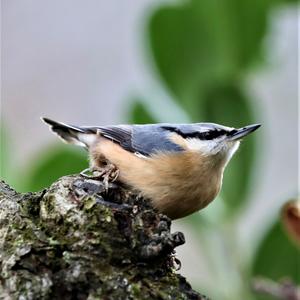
[(237, 134)]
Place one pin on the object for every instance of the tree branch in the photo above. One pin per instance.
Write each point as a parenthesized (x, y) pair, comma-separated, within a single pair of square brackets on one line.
[(75, 240)]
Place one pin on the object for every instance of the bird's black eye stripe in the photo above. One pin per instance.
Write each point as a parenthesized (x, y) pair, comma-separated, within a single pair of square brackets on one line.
[(210, 135), (232, 132), (206, 135)]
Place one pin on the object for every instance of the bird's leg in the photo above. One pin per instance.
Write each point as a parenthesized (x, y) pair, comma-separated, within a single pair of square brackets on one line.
[(108, 172)]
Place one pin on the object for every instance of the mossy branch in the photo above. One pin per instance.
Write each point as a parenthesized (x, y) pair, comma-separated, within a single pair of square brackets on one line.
[(76, 240)]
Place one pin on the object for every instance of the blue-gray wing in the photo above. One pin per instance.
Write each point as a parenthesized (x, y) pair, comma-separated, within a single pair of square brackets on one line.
[(143, 139)]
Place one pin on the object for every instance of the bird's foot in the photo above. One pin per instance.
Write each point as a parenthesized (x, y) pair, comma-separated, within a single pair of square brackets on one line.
[(108, 173), (91, 173)]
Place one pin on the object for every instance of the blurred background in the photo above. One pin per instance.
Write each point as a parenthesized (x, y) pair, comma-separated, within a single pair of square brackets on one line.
[(108, 62)]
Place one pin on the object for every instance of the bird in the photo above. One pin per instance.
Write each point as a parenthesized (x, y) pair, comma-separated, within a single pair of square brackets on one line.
[(178, 167)]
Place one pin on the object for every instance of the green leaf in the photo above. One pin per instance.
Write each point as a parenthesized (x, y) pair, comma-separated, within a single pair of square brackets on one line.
[(277, 257), (139, 114), (198, 43), (56, 162)]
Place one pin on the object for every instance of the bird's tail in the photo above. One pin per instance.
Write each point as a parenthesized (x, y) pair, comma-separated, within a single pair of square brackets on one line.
[(80, 136)]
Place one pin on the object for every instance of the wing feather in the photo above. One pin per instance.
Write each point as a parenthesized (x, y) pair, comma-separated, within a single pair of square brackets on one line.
[(119, 134), (144, 140)]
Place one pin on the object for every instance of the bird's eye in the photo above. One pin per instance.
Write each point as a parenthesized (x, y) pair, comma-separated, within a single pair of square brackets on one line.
[(207, 135), (210, 135)]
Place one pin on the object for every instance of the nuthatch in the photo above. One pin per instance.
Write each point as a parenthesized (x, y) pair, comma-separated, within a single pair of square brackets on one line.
[(179, 167)]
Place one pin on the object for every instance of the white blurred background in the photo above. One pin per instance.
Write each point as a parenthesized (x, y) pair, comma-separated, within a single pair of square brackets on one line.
[(80, 62)]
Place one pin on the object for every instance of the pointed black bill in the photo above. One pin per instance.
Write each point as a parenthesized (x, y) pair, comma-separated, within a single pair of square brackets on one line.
[(238, 134)]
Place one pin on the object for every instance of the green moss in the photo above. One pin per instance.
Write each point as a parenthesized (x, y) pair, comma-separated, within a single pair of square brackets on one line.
[(89, 202)]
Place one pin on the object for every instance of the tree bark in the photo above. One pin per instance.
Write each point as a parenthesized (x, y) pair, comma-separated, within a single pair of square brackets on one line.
[(77, 240)]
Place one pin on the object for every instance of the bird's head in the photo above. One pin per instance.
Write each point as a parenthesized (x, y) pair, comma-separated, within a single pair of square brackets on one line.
[(215, 140)]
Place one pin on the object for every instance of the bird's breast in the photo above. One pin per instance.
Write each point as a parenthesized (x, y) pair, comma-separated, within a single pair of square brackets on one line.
[(185, 183), (178, 183)]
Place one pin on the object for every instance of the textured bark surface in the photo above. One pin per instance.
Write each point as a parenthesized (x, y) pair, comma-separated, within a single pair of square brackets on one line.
[(75, 240)]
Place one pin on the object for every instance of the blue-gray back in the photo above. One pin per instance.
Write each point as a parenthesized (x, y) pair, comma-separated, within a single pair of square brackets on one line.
[(151, 138)]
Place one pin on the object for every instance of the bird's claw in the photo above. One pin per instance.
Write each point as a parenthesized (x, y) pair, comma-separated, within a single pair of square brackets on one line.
[(110, 173), (90, 173)]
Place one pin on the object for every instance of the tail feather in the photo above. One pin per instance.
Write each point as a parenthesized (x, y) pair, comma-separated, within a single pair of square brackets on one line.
[(69, 133)]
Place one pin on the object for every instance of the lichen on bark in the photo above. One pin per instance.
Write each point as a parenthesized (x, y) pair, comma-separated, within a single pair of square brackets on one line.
[(77, 240)]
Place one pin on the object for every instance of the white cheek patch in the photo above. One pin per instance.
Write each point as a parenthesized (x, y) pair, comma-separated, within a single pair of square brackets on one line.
[(207, 147), (212, 147)]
